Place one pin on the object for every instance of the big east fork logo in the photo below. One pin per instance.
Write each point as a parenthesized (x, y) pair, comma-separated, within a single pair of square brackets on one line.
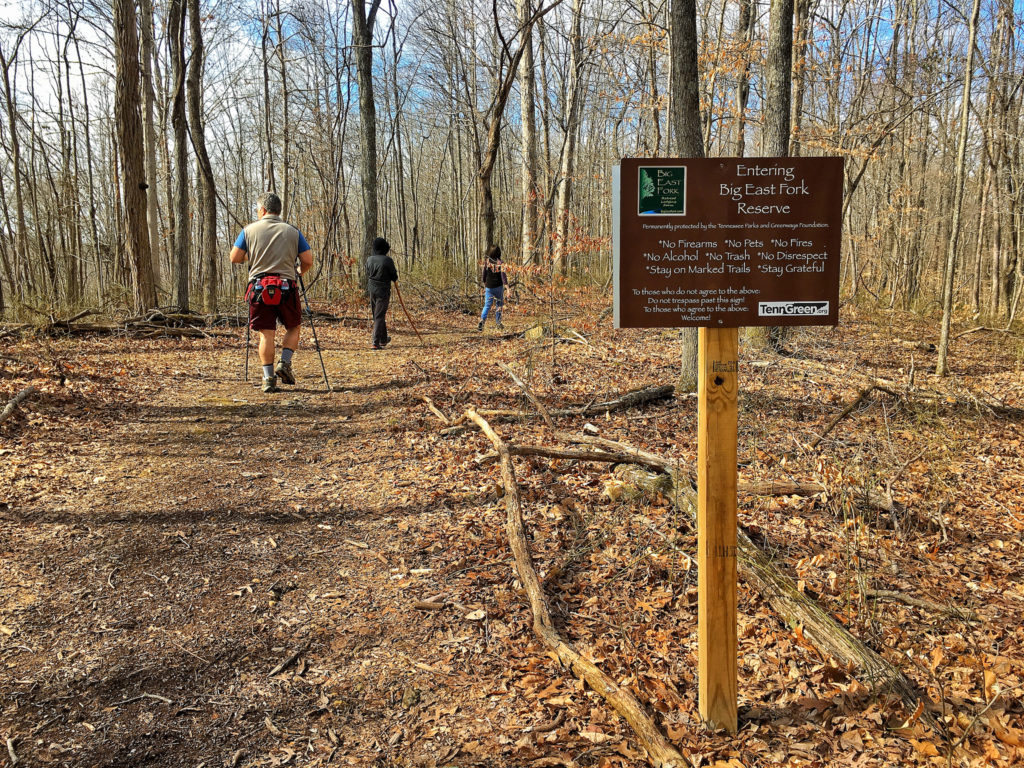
[(791, 308)]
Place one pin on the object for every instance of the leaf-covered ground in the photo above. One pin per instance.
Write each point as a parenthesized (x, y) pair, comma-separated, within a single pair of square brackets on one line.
[(170, 536)]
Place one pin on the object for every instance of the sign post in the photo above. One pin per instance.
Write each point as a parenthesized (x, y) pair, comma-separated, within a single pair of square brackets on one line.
[(718, 243)]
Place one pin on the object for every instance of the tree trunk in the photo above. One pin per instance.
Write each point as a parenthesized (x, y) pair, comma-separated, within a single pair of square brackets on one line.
[(21, 250), (572, 121), (207, 186), (803, 12), (528, 112), (942, 367), (130, 145), (744, 38), (149, 125), (362, 41), (182, 239), (684, 114), (775, 137)]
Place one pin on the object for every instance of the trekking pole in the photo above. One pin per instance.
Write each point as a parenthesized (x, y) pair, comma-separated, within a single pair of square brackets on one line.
[(402, 302), (248, 328), (312, 327)]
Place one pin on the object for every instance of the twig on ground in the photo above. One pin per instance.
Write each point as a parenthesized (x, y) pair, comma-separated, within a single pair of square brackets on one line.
[(11, 752), (288, 661), (15, 402), (541, 408), (156, 696), (864, 393)]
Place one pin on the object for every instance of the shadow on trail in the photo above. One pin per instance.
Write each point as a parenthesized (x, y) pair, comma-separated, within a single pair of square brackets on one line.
[(380, 386), (316, 511)]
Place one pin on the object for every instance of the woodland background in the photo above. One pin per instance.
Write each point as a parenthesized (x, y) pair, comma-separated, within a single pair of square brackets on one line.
[(467, 105)]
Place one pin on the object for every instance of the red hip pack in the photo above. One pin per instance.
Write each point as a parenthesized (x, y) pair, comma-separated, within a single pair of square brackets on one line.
[(267, 289)]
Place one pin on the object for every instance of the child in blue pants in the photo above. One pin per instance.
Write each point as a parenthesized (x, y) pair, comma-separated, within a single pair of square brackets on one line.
[(494, 281)]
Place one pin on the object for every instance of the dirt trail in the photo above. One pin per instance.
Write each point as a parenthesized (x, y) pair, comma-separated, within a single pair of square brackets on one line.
[(202, 534), (171, 535)]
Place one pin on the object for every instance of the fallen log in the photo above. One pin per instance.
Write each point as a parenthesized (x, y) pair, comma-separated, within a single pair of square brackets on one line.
[(825, 633), (659, 751), (630, 399), (15, 401), (870, 497)]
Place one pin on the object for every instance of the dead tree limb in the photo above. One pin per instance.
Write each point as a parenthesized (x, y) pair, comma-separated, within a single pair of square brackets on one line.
[(437, 411), (874, 499), (826, 634), (864, 394), (915, 602), (630, 399), (607, 457), (541, 408), (15, 402), (660, 752)]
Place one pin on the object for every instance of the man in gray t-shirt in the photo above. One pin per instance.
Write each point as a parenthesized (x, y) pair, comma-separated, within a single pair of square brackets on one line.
[(272, 246)]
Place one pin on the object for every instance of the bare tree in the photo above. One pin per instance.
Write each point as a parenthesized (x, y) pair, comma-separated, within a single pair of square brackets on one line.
[(182, 271), (363, 21), (941, 366), (149, 124), (528, 116), (567, 166), (684, 113), (207, 185), (778, 91), (130, 144)]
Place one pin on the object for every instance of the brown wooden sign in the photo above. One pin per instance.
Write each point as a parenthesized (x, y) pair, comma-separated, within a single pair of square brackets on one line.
[(725, 242)]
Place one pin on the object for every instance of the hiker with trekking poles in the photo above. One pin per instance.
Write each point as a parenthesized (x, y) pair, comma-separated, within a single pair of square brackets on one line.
[(380, 274), (278, 256)]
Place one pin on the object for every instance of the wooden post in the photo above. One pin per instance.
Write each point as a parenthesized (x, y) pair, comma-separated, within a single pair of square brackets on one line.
[(716, 526)]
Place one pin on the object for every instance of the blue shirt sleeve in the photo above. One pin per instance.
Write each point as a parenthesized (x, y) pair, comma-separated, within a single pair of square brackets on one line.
[(240, 242), (303, 245)]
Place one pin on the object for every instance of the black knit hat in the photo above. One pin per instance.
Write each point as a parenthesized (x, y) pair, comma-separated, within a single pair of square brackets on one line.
[(380, 245)]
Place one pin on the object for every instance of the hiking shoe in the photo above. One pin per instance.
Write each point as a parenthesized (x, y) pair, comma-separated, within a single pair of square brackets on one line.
[(270, 384), (284, 370), (500, 326), (386, 341), (480, 325), (375, 347)]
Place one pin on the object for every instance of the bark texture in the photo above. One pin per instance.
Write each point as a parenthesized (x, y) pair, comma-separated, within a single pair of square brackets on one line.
[(130, 145)]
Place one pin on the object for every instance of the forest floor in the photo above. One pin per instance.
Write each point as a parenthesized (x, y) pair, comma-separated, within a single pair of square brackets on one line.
[(199, 574)]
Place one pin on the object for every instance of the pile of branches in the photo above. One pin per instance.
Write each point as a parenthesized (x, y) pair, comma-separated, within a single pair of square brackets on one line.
[(451, 299)]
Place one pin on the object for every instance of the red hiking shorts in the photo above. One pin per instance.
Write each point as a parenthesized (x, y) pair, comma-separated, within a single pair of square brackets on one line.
[(264, 318)]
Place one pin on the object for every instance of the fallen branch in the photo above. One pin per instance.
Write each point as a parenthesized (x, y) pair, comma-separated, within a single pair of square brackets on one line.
[(864, 393), (608, 457), (541, 408), (436, 411), (289, 661), (630, 399), (827, 635), (915, 602), (10, 751), (660, 752), (15, 402), (983, 328), (155, 696), (872, 498)]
